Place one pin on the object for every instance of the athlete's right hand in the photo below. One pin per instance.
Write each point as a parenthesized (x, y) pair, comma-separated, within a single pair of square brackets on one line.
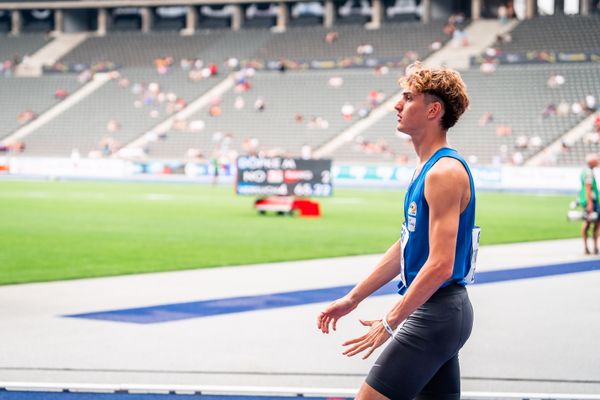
[(336, 310)]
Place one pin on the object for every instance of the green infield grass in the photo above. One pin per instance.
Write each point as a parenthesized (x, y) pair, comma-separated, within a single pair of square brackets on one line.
[(66, 230)]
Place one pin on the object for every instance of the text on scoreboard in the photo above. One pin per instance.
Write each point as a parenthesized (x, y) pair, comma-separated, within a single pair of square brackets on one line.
[(281, 176)]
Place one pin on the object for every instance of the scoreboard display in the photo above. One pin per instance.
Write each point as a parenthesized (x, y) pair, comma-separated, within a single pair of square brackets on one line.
[(281, 176)]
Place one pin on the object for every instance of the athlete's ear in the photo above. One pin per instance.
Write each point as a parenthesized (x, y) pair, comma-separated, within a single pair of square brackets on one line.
[(435, 109)]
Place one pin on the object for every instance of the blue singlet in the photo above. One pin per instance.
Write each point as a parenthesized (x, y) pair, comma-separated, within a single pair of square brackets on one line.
[(415, 230)]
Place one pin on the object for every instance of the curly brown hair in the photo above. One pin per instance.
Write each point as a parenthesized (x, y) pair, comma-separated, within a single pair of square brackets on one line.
[(439, 84)]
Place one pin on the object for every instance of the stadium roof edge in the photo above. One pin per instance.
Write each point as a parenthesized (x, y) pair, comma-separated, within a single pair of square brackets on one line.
[(29, 5)]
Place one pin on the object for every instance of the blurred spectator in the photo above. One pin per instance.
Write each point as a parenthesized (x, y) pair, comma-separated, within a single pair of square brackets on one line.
[(331, 37), (502, 14), (16, 146), (555, 80), (363, 111), (179, 124), (250, 146), (364, 50), (491, 52), (435, 46), (486, 118), (194, 155), (26, 116), (113, 125), (563, 109), (232, 63), (503, 130), (381, 70), (448, 29), (214, 110), (504, 38), (590, 103), (517, 158), (239, 103), (306, 152), (195, 75), (521, 142), (317, 123), (460, 37), (487, 67), (347, 111), (196, 125), (163, 65), (60, 94), (549, 110), (336, 81), (85, 76), (375, 98), (259, 104), (108, 146)]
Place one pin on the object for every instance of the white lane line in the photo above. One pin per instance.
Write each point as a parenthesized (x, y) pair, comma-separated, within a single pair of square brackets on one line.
[(261, 390)]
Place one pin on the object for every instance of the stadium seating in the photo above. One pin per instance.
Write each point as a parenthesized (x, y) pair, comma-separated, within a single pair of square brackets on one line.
[(84, 126), (22, 45), (22, 94), (559, 33), (391, 41), (302, 43), (574, 154), (305, 93), (516, 96)]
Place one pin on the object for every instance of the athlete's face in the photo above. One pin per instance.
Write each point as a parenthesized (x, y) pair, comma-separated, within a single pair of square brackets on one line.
[(411, 112)]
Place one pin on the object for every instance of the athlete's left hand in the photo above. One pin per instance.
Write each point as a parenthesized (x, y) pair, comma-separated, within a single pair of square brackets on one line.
[(376, 336)]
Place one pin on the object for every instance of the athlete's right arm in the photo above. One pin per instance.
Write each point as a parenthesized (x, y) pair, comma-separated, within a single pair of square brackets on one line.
[(386, 270)]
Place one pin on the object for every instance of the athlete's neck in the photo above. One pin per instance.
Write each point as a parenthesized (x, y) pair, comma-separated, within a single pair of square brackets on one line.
[(427, 145)]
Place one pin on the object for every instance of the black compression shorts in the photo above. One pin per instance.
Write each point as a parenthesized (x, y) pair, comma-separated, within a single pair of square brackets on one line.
[(422, 360)]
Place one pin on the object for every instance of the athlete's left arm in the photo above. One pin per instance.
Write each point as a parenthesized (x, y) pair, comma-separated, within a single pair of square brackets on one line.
[(445, 187)]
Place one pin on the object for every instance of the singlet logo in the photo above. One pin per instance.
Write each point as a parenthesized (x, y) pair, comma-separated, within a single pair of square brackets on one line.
[(412, 209)]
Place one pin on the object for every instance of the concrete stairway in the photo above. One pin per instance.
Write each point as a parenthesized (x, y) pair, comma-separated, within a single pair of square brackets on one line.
[(482, 34), (50, 53)]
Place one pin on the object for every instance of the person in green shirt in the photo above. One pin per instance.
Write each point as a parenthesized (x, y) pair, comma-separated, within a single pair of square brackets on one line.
[(588, 198)]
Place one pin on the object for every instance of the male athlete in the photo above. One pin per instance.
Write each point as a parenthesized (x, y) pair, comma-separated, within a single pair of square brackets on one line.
[(588, 197), (435, 256)]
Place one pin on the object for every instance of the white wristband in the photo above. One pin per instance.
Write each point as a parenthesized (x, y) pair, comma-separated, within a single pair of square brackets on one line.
[(387, 327)]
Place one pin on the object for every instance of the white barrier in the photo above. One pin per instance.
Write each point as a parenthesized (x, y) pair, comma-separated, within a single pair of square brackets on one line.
[(556, 179)]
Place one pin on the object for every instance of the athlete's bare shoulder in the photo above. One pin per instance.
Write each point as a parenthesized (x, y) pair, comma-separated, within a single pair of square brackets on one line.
[(448, 170), (448, 180)]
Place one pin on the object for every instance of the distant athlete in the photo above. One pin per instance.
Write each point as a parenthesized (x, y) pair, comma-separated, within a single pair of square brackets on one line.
[(588, 197), (435, 256)]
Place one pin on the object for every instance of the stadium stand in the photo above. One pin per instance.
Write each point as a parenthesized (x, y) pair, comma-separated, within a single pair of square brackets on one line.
[(391, 41), (20, 95), (302, 43), (516, 97), (515, 111), (119, 111), (301, 108), (17, 47), (559, 33), (135, 49), (574, 153), (137, 52)]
